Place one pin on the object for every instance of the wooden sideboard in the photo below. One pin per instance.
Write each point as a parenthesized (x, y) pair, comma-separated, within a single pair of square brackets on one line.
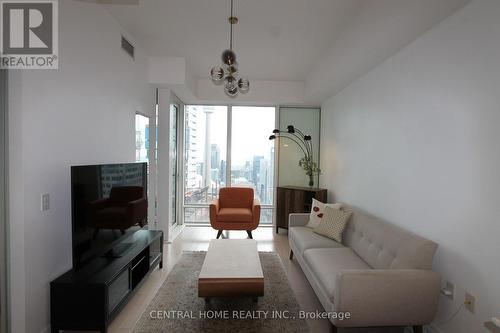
[(293, 199)]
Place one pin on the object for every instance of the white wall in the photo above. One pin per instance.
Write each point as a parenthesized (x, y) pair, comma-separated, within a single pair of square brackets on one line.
[(15, 209), (416, 141), (164, 188), (82, 113)]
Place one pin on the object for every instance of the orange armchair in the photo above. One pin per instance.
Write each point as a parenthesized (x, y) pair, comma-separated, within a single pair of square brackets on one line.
[(236, 209)]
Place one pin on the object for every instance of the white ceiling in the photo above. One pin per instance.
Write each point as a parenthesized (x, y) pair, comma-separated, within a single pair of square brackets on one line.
[(322, 45), (277, 40)]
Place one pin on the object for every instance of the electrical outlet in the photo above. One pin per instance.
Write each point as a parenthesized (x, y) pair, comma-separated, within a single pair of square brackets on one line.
[(470, 302), (451, 288), (45, 202)]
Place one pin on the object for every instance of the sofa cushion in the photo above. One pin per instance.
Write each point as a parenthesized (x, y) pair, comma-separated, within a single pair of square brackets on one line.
[(333, 223), (304, 238), (325, 263), (234, 215), (236, 197), (318, 212), (386, 246)]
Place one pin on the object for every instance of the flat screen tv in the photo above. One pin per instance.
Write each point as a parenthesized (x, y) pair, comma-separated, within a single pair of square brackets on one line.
[(108, 203)]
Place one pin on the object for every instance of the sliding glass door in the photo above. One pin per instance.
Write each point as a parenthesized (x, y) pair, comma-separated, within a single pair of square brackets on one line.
[(227, 146)]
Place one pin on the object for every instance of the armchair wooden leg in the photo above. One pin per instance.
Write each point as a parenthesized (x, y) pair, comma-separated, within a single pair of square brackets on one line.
[(122, 231), (219, 233), (418, 329), (291, 255), (96, 231), (249, 232)]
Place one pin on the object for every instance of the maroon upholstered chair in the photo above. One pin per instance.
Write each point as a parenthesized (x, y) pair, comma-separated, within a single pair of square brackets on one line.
[(125, 207)]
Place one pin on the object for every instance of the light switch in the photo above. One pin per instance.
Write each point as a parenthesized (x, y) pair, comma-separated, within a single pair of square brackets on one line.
[(45, 202)]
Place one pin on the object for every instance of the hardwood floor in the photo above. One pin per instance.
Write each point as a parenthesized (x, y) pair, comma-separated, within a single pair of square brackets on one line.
[(197, 239)]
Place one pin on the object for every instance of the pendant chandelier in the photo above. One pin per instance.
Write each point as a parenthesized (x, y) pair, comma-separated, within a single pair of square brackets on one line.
[(228, 72)]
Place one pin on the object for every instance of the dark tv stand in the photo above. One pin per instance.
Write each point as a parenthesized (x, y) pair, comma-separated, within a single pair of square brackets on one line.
[(118, 250), (89, 298)]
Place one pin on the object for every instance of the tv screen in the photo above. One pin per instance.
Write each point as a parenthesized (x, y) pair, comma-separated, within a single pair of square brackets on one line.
[(109, 202)]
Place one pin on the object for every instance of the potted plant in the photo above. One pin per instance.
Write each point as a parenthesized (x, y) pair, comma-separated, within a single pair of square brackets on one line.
[(310, 167)]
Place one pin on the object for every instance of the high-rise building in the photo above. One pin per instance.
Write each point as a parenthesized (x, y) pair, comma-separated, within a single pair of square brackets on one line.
[(256, 169), (215, 156), (247, 171), (207, 170), (270, 176), (191, 154), (222, 172), (262, 184)]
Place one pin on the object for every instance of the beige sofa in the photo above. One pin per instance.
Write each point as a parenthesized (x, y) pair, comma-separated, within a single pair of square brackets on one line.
[(381, 274)]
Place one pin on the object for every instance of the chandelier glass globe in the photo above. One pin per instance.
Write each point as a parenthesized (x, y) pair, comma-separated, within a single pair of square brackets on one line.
[(217, 73), (231, 86), (230, 82), (228, 57), (231, 92), (243, 85)]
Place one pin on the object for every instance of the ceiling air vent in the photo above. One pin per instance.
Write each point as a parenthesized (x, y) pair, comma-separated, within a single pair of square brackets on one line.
[(127, 47)]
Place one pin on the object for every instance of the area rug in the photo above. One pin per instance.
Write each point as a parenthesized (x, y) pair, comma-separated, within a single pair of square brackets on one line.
[(177, 307)]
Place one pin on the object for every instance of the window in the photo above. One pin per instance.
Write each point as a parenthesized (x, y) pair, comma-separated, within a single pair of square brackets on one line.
[(142, 145), (204, 152), (206, 158), (252, 154), (141, 138)]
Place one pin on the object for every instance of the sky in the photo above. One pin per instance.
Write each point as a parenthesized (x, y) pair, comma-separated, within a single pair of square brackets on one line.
[(251, 129)]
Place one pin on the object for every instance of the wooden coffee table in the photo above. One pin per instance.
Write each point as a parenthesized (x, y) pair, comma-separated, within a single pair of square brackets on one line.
[(231, 269)]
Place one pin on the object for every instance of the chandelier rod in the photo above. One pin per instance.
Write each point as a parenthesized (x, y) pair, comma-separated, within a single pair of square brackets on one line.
[(231, 22)]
